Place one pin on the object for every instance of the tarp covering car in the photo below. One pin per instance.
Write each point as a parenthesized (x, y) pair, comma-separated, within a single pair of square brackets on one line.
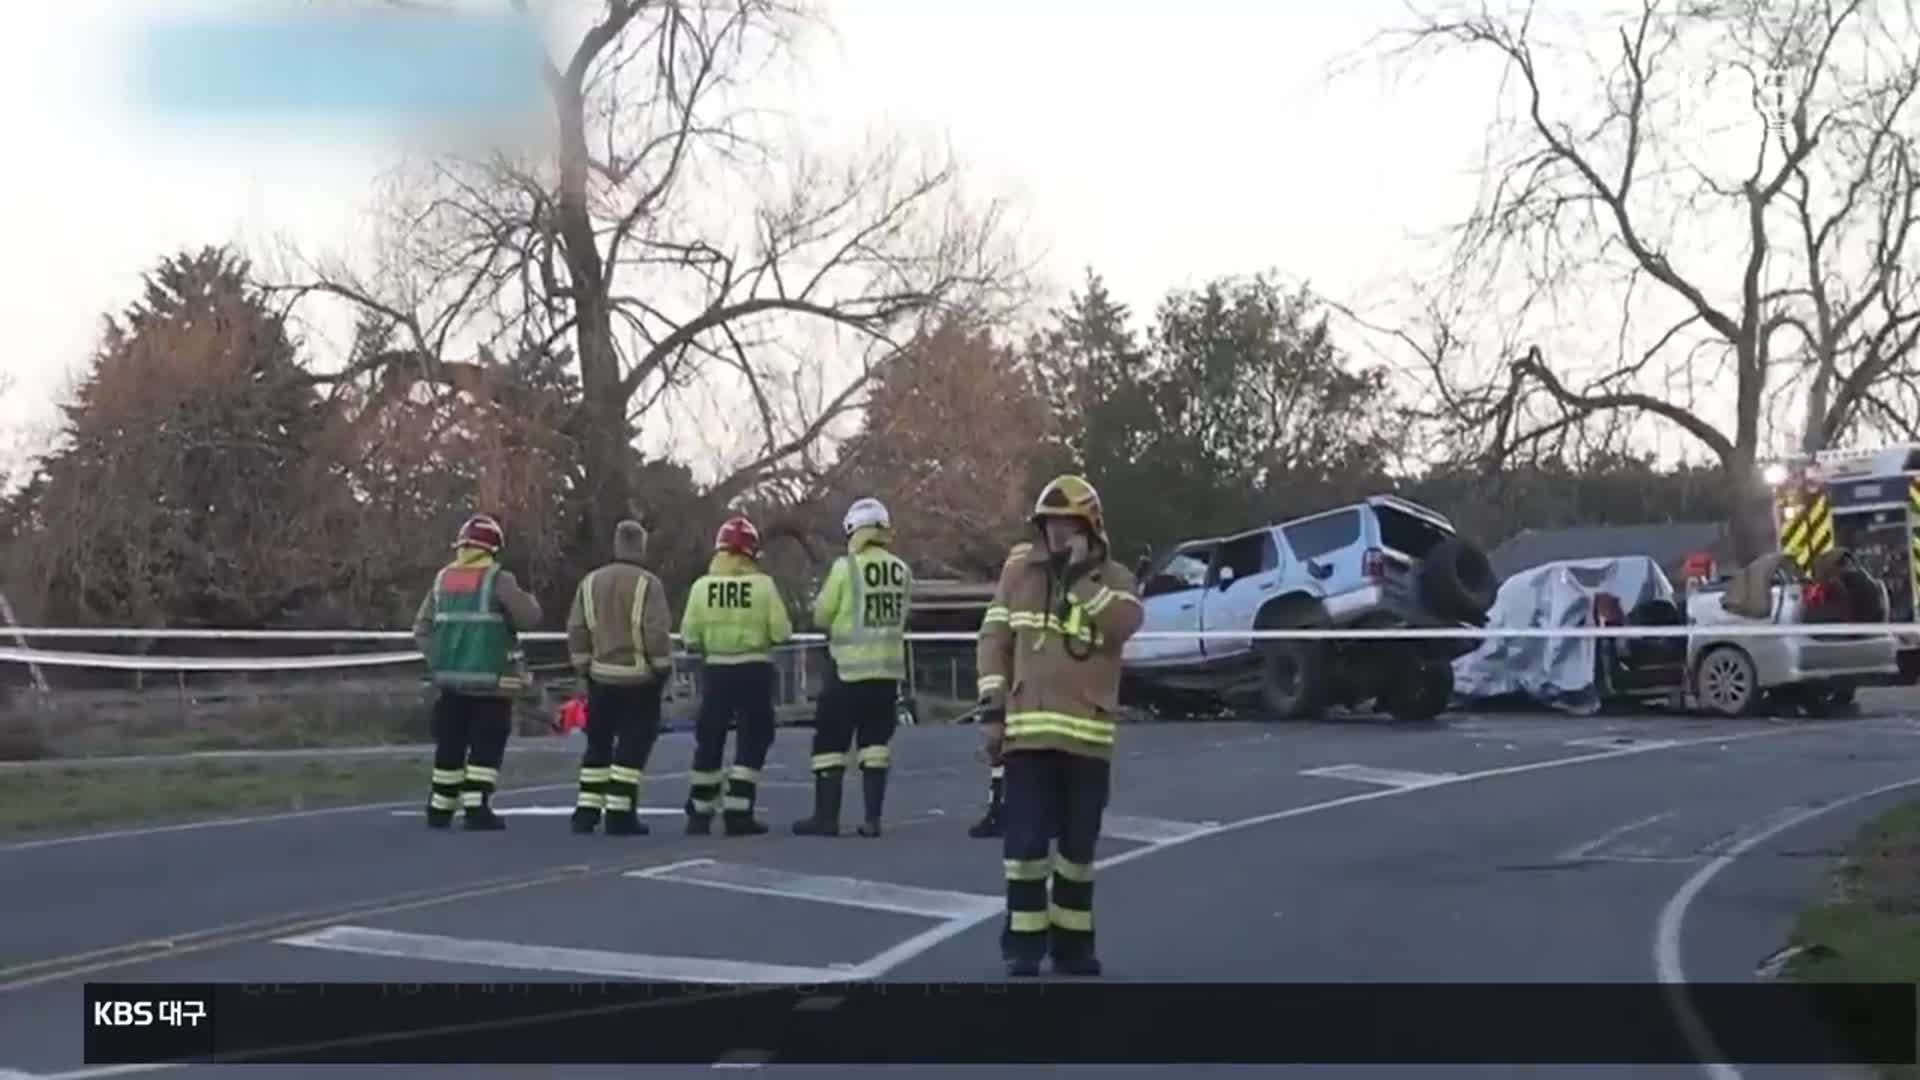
[(1556, 672)]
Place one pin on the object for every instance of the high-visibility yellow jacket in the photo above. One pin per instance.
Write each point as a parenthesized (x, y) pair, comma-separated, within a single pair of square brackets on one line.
[(734, 613), (863, 607), (1051, 653)]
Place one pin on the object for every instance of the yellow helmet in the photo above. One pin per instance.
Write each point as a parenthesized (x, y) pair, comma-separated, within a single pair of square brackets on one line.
[(1072, 496)]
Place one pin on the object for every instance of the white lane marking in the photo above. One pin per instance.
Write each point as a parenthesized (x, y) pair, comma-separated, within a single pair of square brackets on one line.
[(1611, 742), (1150, 830), (927, 940), (844, 891), (1367, 774), (85, 1073), (255, 819), (1590, 851), (554, 811), (507, 954), (1668, 929)]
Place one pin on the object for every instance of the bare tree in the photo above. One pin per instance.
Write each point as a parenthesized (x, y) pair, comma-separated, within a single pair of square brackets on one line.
[(661, 225), (1608, 201)]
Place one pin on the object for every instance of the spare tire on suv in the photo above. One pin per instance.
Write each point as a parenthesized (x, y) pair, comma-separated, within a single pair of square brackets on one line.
[(1457, 581)]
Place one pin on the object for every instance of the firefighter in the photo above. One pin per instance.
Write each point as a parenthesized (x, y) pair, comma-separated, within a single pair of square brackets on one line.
[(734, 617), (619, 638), (1050, 675), (863, 609), (468, 628)]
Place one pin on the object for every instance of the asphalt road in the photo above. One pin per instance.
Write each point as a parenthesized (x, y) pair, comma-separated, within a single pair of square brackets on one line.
[(1489, 848)]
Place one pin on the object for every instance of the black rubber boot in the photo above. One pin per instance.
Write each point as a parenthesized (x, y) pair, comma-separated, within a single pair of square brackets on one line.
[(741, 823), (439, 819), (585, 819), (827, 784), (873, 789), (699, 822), (990, 826), (626, 823), (1022, 952), (483, 819), (1072, 954)]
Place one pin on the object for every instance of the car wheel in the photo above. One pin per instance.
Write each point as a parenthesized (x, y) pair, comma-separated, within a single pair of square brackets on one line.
[(1725, 681), (1423, 696), (1293, 680)]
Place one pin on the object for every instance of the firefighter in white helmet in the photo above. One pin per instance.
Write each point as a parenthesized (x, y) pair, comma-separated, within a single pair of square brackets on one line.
[(863, 609)]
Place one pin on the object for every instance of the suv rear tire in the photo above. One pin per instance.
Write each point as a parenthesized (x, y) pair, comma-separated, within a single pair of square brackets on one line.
[(1293, 679)]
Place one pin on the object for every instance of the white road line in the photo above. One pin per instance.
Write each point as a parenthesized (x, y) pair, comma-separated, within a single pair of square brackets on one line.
[(506, 954), (1150, 830), (91, 1072), (412, 805), (1668, 965), (844, 891), (1587, 852), (1367, 774), (930, 939)]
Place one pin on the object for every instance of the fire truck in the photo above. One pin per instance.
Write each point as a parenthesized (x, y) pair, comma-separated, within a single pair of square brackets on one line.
[(1866, 502)]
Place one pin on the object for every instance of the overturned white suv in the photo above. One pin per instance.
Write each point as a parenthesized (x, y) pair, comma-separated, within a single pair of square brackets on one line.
[(1381, 563)]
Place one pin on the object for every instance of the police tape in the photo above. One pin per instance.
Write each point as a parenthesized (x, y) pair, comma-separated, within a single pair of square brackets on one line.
[(119, 661)]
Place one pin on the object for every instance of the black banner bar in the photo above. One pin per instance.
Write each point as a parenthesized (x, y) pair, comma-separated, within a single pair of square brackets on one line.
[(1104, 1022)]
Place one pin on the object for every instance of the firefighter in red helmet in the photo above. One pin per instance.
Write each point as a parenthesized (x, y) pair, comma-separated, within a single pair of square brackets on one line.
[(734, 617), (468, 627)]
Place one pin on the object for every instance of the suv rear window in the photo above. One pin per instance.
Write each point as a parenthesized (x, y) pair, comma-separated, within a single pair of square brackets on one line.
[(1312, 539), (1407, 534)]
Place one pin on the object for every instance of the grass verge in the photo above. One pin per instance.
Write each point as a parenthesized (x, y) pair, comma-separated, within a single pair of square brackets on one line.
[(55, 798), (1867, 928)]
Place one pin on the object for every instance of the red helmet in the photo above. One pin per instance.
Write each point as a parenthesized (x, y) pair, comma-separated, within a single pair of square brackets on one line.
[(482, 531), (737, 534)]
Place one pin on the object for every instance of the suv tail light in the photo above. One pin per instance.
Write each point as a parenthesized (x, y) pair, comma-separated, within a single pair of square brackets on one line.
[(1373, 564)]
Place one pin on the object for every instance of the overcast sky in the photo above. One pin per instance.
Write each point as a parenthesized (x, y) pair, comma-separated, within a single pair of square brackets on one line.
[(1162, 144)]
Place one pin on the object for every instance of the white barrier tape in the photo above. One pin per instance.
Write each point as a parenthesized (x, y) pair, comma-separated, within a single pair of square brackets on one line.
[(123, 662), (1731, 629)]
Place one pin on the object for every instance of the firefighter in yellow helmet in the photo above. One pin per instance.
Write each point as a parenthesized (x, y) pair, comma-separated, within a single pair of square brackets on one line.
[(1049, 662)]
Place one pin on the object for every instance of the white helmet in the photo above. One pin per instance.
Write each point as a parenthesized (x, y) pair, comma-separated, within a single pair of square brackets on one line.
[(865, 514)]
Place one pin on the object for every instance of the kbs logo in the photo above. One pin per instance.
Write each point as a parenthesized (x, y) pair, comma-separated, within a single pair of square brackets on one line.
[(148, 1013)]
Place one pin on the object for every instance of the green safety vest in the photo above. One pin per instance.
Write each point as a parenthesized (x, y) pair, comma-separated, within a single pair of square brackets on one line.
[(867, 637), (734, 618), (474, 646)]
